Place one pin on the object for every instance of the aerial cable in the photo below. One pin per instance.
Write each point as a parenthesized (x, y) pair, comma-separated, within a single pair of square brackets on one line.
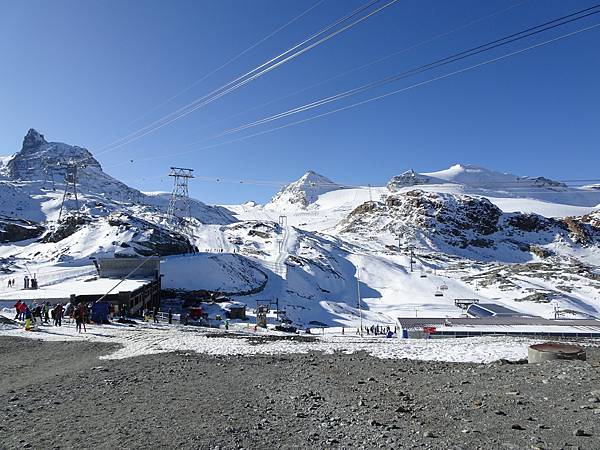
[(374, 62), (256, 182), (378, 97), (183, 111), (266, 67), (229, 61), (439, 63)]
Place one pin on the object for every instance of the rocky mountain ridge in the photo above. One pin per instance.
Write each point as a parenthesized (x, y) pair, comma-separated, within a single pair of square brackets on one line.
[(445, 221)]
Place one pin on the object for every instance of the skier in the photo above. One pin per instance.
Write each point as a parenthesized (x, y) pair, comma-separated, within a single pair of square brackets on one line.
[(170, 316), (155, 314)]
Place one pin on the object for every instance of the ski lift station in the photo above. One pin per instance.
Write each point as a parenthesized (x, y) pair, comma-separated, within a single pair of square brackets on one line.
[(131, 284)]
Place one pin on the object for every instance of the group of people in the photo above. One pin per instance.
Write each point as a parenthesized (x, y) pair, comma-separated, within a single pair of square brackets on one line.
[(378, 330), (28, 282), (147, 314), (44, 311)]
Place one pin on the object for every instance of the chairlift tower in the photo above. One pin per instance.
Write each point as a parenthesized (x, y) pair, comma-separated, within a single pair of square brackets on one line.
[(71, 180), (179, 206), (411, 249)]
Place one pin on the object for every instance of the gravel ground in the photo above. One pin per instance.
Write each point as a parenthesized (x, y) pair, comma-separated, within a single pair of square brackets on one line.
[(59, 395)]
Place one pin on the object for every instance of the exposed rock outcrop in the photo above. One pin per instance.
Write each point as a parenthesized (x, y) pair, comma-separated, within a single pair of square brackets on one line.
[(14, 230)]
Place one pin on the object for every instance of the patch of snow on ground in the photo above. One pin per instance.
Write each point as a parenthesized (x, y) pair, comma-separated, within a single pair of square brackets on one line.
[(154, 339)]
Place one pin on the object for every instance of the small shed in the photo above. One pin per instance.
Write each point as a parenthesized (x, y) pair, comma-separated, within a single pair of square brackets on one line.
[(236, 310)]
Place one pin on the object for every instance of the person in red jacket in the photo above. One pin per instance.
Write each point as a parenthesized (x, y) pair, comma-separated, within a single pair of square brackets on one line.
[(17, 307)]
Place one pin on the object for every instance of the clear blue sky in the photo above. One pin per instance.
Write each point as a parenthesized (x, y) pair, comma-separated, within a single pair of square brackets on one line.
[(81, 71)]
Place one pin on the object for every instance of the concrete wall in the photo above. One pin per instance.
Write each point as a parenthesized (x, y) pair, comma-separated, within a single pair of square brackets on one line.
[(120, 267)]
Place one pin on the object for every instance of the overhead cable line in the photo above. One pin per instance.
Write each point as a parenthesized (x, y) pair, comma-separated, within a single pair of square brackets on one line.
[(376, 61), (571, 183), (258, 71), (371, 99), (439, 63), (229, 61)]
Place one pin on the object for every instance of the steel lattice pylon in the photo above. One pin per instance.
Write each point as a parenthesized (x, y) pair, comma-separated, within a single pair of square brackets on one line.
[(179, 206), (70, 184)]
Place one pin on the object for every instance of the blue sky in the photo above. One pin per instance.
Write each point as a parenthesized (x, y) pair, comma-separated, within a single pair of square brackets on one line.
[(90, 72)]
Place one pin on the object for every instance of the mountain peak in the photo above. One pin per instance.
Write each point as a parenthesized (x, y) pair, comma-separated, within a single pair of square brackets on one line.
[(33, 139), (305, 190), (37, 154), (313, 178), (471, 174), (407, 178)]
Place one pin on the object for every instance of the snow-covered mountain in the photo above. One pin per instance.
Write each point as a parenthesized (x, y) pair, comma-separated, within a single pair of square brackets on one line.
[(523, 242), (32, 185), (35, 177), (302, 192), (497, 237), (472, 175)]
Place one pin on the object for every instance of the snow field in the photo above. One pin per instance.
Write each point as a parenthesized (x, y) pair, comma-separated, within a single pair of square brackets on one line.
[(154, 339)]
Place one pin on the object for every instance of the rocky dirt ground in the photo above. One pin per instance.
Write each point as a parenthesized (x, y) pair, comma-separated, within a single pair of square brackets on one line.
[(60, 395)]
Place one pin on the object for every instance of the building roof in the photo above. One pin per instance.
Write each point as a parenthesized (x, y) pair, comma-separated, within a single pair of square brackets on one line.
[(419, 322), (63, 290)]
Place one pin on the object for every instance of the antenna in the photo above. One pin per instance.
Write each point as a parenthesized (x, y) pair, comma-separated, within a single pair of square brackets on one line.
[(179, 206)]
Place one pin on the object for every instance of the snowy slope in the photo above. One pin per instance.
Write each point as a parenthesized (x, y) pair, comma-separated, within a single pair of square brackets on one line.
[(518, 237), (33, 181), (318, 246), (302, 192)]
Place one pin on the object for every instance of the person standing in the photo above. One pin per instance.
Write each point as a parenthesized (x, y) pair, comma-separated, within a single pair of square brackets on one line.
[(85, 315), (28, 316), (58, 313), (170, 316), (77, 317), (46, 309), (155, 314)]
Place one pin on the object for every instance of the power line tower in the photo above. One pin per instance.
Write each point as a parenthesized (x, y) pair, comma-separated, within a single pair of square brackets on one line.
[(179, 206), (48, 173), (71, 169)]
